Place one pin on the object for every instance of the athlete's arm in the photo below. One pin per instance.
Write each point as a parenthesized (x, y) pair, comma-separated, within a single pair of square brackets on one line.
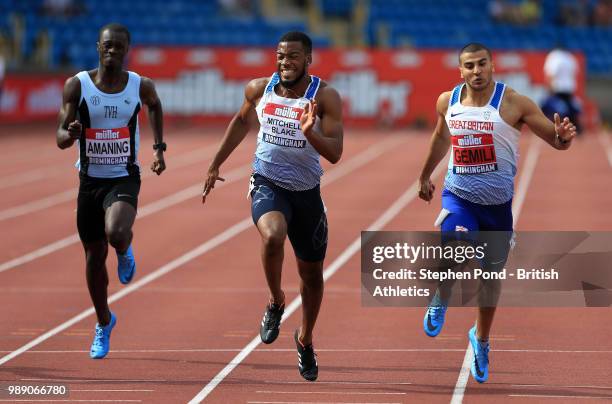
[(558, 134), (149, 97), (236, 131), (329, 142), (69, 128), (438, 146)]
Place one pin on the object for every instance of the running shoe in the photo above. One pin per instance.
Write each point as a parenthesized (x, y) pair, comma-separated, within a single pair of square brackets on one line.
[(126, 266), (434, 316), (101, 342), (270, 324), (480, 363), (307, 359)]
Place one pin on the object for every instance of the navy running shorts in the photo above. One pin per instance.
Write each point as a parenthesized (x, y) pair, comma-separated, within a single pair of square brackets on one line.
[(98, 194), (476, 223), (304, 213)]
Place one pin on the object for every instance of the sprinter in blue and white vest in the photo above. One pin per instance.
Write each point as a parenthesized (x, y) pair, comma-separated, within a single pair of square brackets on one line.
[(481, 121), (300, 119)]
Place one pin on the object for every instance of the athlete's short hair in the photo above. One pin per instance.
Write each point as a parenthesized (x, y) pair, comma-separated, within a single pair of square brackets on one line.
[(116, 27), (297, 36), (474, 47)]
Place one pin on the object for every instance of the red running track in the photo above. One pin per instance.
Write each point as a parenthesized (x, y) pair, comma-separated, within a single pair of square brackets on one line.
[(200, 291)]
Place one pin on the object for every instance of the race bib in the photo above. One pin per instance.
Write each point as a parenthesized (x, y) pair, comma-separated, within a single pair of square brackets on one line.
[(107, 146), (473, 154)]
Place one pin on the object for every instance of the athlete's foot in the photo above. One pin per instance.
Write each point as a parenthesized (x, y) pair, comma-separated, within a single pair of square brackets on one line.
[(480, 363), (126, 266), (270, 324), (101, 341), (307, 361), (434, 316)]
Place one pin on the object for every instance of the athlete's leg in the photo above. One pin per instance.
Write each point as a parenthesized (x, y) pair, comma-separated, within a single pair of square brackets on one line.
[(272, 227), (311, 289), (496, 223), (308, 235), (119, 219), (90, 224), (97, 278)]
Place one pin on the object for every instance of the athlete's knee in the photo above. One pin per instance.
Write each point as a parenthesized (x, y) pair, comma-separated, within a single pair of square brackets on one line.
[(119, 235), (273, 239)]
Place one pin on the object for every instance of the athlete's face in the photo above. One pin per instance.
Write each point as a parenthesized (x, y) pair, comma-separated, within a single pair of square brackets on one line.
[(476, 69), (291, 62), (112, 48)]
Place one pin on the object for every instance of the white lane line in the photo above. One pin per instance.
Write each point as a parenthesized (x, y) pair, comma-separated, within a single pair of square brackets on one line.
[(153, 207), (555, 386), (68, 400), (346, 393), (524, 180), (604, 139), (40, 173), (350, 383), (29, 176), (331, 350), (114, 390), (94, 380), (187, 193), (353, 248), (318, 402), (70, 194), (559, 396), (232, 231)]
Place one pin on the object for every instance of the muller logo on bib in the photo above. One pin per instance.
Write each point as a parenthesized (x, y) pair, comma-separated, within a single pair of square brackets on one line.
[(283, 111)]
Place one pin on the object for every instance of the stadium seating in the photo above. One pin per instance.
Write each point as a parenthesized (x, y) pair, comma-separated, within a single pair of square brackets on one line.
[(417, 23)]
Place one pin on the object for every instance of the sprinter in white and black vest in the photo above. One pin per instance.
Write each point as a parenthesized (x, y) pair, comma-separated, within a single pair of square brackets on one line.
[(100, 113), (300, 119), (481, 121)]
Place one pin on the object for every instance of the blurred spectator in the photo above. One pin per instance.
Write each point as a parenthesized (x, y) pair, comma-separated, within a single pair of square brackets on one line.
[(236, 8), (2, 70), (17, 37), (529, 12), (561, 71), (576, 13), (525, 13), (42, 49), (61, 8), (500, 11), (602, 13)]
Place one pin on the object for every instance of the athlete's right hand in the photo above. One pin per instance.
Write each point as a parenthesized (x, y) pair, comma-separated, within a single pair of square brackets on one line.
[(426, 190), (74, 129), (209, 184)]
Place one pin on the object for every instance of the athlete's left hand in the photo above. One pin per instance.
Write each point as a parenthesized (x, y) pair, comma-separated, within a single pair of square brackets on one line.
[(308, 118), (158, 165), (565, 130)]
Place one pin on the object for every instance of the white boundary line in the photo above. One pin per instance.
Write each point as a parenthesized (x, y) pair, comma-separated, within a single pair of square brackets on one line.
[(183, 160), (52, 169), (28, 176), (363, 158), (357, 161), (163, 203), (393, 210), (559, 396), (604, 139), (377, 350), (527, 171)]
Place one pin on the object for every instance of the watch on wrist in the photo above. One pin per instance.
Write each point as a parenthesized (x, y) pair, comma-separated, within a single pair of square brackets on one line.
[(159, 146)]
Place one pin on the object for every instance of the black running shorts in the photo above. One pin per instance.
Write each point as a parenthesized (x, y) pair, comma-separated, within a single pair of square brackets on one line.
[(95, 196)]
